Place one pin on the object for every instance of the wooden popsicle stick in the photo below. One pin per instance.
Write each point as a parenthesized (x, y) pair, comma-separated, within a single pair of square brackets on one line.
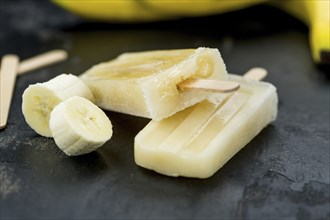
[(8, 72), (41, 60), (209, 85), (256, 73)]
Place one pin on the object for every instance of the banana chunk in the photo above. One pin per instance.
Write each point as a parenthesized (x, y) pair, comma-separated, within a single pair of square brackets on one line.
[(41, 98), (78, 126), (146, 83)]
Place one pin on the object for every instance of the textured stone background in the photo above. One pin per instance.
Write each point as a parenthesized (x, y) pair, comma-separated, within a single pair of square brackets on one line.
[(282, 174)]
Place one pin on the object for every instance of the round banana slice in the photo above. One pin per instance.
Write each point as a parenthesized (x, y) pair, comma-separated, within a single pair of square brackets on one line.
[(40, 99), (79, 126)]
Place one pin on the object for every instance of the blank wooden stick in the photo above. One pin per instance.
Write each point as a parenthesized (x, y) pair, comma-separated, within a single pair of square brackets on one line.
[(209, 85), (256, 73), (8, 72), (41, 60), (10, 68)]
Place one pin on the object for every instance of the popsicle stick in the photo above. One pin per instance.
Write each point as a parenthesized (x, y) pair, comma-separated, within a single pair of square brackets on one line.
[(209, 85), (41, 60), (8, 72), (256, 73)]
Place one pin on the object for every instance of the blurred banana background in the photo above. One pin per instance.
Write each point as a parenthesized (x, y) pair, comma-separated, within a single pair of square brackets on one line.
[(314, 13)]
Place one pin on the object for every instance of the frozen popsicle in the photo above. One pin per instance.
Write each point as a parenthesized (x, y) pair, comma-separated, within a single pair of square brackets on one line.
[(146, 83), (199, 140)]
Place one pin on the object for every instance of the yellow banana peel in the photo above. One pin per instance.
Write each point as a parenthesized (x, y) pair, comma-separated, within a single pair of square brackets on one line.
[(150, 10), (314, 13), (112, 10)]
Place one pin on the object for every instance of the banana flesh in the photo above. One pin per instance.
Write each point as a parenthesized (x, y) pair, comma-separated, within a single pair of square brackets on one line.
[(63, 108), (79, 126), (41, 98)]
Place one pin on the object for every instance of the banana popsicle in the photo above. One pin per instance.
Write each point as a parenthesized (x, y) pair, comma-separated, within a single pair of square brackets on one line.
[(199, 140), (145, 83)]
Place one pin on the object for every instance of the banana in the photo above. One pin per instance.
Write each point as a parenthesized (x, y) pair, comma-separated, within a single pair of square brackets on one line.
[(40, 99), (184, 8), (78, 126), (316, 15), (124, 11), (150, 10)]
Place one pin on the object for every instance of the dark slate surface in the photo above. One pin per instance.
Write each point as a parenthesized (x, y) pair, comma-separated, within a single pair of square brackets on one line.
[(282, 174)]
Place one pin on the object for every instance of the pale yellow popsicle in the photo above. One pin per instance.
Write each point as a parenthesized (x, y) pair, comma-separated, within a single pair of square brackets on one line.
[(145, 83), (199, 140)]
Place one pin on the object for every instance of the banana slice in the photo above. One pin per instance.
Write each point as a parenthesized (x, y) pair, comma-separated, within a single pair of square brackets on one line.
[(78, 126), (40, 99)]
